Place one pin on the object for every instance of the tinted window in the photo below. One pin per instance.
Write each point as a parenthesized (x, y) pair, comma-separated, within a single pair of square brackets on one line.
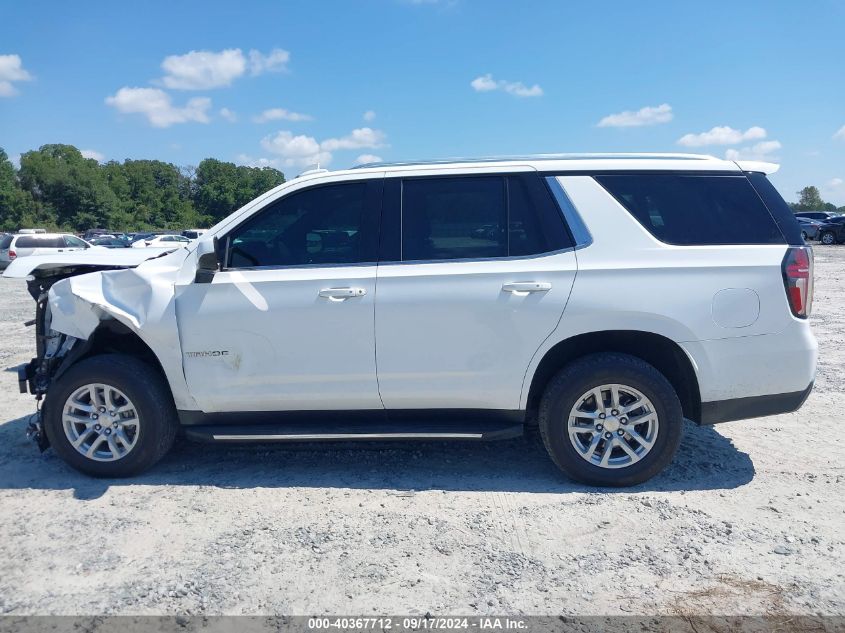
[(5, 241), (535, 223), (778, 208), (322, 225), (688, 209), (478, 217), (39, 241), (75, 242), (454, 218)]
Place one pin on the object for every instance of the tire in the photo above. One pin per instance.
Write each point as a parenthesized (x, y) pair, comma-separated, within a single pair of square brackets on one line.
[(804, 235), (149, 422), (828, 238), (566, 390)]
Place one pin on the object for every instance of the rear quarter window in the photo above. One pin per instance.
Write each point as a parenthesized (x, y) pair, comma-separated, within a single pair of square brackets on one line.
[(695, 209)]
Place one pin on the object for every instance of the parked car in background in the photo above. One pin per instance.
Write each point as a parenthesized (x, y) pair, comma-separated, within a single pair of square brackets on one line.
[(193, 234), (90, 234), (110, 242), (815, 215), (833, 230), (21, 245), (161, 241), (809, 228)]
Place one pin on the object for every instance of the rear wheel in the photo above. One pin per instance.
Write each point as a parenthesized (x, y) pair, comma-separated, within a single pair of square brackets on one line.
[(610, 420), (110, 416), (828, 238)]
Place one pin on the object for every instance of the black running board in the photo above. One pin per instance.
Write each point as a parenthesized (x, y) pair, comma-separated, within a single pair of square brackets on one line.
[(472, 431)]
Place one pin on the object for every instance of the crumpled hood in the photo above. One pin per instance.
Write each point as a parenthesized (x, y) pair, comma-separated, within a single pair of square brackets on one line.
[(22, 267), (141, 298)]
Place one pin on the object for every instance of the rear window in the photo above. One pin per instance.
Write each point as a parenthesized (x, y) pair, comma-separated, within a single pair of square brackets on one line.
[(39, 241), (692, 209), (5, 241)]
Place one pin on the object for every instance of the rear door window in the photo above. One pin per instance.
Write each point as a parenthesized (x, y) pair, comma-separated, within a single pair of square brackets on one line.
[(693, 209), (479, 217)]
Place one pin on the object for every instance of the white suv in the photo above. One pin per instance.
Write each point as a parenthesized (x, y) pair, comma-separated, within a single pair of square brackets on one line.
[(601, 298), (23, 244)]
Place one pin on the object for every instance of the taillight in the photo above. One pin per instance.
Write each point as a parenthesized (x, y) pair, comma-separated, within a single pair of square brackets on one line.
[(797, 270), (12, 254)]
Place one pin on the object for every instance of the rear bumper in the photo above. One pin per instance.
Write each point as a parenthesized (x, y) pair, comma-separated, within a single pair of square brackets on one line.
[(754, 407)]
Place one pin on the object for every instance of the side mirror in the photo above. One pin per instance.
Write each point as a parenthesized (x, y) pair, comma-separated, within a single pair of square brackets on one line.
[(209, 260)]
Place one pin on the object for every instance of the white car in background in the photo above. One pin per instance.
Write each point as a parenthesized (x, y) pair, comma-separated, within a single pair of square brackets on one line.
[(162, 241), (23, 244)]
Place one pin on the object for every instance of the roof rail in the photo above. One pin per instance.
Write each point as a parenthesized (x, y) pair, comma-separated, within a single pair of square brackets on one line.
[(535, 157)]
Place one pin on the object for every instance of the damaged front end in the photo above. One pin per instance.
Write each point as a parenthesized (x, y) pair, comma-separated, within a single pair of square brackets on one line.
[(88, 304), (54, 351)]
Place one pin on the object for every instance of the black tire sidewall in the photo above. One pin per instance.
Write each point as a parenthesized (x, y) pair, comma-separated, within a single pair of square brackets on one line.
[(144, 388), (582, 377)]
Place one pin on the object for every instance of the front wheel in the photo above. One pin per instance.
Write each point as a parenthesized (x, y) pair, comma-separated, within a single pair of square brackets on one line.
[(610, 420), (828, 238), (110, 416)]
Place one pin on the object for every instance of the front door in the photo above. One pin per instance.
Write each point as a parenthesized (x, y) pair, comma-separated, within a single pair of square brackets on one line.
[(289, 323)]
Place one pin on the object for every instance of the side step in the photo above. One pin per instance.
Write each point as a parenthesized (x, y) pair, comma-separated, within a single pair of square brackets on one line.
[(315, 432)]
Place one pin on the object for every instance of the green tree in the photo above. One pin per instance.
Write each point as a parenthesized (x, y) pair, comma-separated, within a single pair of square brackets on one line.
[(72, 188), (220, 187), (809, 199), (17, 207)]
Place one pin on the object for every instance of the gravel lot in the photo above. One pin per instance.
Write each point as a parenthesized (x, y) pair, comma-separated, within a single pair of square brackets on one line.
[(748, 520)]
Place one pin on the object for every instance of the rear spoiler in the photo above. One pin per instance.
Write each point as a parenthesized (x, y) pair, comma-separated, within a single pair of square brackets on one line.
[(758, 166)]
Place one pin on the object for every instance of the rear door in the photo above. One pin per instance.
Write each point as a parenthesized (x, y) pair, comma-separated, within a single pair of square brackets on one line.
[(475, 273)]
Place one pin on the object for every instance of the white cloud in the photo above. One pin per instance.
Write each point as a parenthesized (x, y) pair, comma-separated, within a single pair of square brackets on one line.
[(296, 151), (156, 105), (370, 115), (11, 70), (840, 134), (93, 154), (230, 115), (275, 114), (649, 115), (835, 183), (722, 135), (275, 61), (367, 158), (765, 150), (486, 83), (361, 138), (201, 70), (306, 151)]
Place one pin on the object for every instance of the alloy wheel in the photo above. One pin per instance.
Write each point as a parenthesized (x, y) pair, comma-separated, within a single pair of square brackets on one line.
[(613, 426), (100, 422)]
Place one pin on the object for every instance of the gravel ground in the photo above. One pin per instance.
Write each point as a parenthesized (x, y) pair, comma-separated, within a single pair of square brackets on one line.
[(748, 520)]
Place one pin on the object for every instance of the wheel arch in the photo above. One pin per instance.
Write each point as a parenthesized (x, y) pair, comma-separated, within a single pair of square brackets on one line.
[(659, 351)]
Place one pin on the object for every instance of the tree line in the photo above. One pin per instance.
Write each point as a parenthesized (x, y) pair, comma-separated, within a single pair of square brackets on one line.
[(58, 189), (809, 199)]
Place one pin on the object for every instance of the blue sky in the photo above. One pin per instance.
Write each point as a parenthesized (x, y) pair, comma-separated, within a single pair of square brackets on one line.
[(287, 83)]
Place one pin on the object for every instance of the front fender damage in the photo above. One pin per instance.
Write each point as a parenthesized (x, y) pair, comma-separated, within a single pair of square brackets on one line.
[(70, 310)]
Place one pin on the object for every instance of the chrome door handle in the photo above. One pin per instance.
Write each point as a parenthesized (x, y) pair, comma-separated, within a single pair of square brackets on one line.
[(524, 287), (341, 294)]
